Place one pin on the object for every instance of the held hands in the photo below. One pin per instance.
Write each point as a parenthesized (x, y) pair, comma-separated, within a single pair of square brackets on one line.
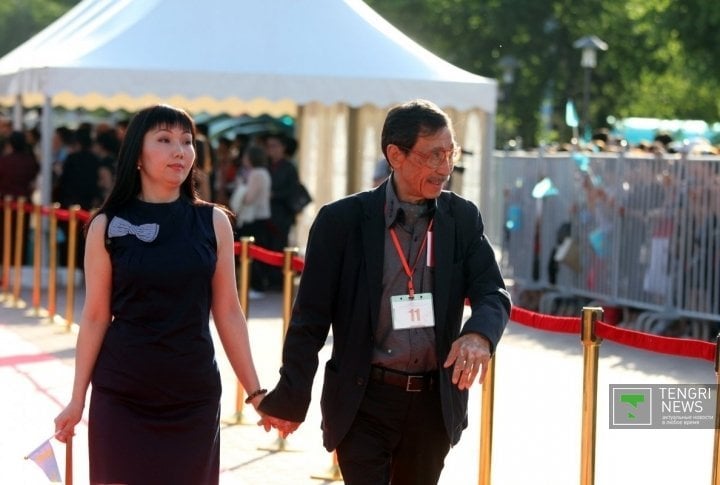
[(283, 426), (65, 422), (470, 355), (268, 422)]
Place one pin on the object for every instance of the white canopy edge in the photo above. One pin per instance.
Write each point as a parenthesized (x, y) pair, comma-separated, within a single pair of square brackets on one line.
[(233, 93)]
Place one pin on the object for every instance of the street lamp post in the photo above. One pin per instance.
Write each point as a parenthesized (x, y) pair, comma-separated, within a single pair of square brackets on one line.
[(589, 44)]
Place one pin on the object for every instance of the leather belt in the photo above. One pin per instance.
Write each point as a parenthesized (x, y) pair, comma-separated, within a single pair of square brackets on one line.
[(408, 382)]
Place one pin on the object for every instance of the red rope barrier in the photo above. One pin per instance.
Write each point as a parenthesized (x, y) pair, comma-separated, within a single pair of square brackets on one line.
[(83, 215), (683, 347), (545, 322), (62, 214), (266, 256)]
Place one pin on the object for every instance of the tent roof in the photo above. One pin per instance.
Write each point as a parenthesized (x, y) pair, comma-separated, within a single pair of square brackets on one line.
[(233, 56)]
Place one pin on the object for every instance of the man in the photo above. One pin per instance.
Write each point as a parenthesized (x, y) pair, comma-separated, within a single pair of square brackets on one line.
[(284, 177), (78, 184), (389, 270)]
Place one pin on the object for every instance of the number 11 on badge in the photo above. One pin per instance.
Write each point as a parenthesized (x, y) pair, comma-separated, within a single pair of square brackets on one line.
[(416, 312)]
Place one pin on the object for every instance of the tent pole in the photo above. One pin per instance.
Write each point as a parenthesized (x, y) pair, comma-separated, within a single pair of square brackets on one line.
[(46, 145), (354, 151), (18, 113)]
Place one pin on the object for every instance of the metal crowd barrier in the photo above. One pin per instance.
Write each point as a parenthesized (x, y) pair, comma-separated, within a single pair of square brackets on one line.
[(629, 230)]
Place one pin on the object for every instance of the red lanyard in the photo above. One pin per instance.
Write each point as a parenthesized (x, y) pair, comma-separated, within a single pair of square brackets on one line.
[(408, 271)]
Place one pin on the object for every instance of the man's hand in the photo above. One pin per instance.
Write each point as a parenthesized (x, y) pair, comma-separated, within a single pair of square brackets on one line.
[(469, 354), (283, 426)]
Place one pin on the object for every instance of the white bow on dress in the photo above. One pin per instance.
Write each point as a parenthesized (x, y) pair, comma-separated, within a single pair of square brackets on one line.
[(145, 232)]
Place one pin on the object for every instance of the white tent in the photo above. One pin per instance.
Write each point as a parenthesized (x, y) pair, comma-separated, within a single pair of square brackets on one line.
[(335, 65)]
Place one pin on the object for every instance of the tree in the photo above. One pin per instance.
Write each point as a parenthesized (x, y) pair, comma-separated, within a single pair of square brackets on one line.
[(655, 66), (21, 19)]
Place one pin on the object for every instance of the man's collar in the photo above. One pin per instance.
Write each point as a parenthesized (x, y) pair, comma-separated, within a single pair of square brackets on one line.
[(393, 207)]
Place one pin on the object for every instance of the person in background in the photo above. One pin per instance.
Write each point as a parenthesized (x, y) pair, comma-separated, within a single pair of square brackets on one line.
[(6, 128), (18, 174), (32, 135), (284, 178), (159, 261), (18, 167), (78, 185), (225, 171), (389, 271), (204, 163), (251, 204), (106, 148), (78, 180), (63, 143), (121, 129)]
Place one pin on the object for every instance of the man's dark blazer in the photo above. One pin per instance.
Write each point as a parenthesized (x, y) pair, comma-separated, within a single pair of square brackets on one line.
[(341, 287)]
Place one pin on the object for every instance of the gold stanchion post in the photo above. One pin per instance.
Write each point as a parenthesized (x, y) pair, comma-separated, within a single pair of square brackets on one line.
[(7, 246), (69, 461), (288, 293), (288, 286), (17, 301), (52, 264), (71, 263), (35, 311), (243, 285), (716, 449), (591, 352), (486, 424)]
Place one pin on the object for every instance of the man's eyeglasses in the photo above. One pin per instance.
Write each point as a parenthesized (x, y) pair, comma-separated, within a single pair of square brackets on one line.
[(437, 156)]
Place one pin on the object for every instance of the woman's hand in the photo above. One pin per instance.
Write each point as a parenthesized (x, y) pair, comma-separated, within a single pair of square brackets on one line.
[(65, 421)]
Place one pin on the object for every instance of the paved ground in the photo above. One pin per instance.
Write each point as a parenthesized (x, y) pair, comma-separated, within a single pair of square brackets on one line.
[(536, 426)]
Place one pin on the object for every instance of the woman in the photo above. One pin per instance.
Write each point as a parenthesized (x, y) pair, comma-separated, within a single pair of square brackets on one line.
[(251, 203), (158, 260)]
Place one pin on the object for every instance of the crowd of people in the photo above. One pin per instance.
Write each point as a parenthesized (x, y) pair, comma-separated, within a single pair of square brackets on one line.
[(253, 175)]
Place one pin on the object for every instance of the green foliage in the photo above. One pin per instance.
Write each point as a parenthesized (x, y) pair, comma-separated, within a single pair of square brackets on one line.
[(21, 19), (658, 63)]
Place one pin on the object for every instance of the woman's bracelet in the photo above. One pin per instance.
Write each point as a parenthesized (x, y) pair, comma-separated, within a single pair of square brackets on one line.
[(254, 394)]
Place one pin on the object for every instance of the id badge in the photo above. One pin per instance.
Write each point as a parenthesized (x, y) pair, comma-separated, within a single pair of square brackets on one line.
[(412, 313)]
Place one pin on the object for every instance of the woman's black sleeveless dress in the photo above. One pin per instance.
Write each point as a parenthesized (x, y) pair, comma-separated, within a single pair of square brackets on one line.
[(155, 401)]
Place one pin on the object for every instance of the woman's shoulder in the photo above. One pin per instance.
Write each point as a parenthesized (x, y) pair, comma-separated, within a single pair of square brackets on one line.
[(99, 220), (98, 225)]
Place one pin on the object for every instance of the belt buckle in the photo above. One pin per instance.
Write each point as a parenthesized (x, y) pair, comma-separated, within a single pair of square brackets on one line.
[(414, 383)]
